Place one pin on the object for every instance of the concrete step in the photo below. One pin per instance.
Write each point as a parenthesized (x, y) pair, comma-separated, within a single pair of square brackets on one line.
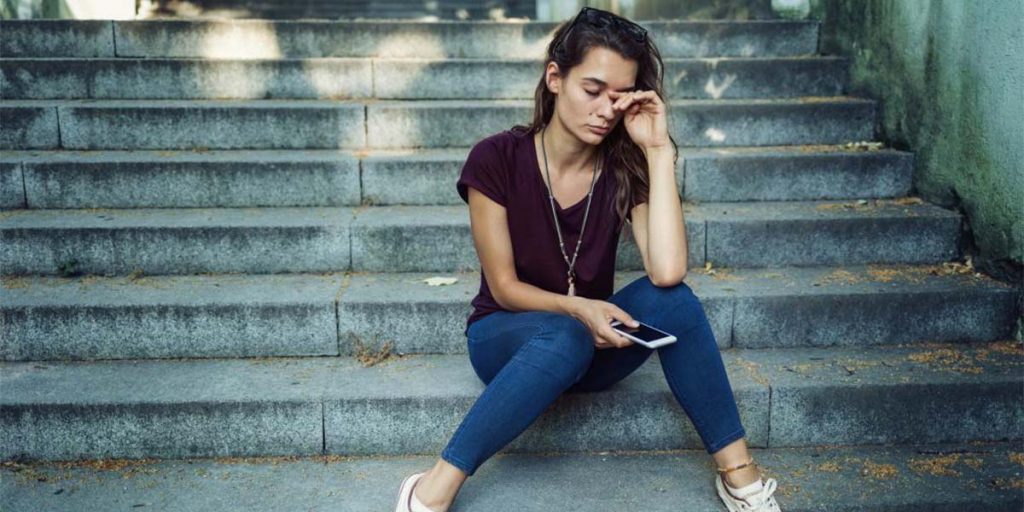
[(351, 124), (362, 9), (184, 179), (234, 178), (29, 126), (438, 238), (176, 241), (49, 38), (48, 318), (960, 477), (342, 78), (801, 397), (263, 39)]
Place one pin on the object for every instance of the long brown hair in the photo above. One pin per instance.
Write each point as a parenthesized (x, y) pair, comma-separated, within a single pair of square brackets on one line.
[(626, 158)]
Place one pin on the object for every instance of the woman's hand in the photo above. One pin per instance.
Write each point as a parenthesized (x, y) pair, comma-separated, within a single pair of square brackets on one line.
[(645, 118), (597, 315)]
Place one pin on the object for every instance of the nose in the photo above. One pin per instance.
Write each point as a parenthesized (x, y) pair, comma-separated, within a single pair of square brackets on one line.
[(606, 111)]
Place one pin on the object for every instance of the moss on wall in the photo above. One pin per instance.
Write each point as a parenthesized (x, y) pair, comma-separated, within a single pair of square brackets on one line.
[(9, 9)]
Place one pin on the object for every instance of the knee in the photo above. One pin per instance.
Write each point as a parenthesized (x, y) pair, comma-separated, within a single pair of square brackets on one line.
[(564, 348), (677, 305)]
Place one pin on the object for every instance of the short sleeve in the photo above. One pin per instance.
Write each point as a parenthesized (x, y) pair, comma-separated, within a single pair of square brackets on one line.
[(485, 171), (629, 211)]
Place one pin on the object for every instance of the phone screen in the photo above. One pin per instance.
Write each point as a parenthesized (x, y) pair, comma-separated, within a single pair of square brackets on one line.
[(643, 331)]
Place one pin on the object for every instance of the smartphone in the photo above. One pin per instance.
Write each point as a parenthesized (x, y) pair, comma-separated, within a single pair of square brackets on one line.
[(644, 334)]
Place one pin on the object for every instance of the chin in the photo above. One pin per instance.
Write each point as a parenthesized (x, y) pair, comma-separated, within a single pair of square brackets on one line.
[(591, 136)]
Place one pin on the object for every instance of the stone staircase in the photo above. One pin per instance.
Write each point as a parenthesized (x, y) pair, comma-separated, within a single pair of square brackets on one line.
[(216, 233), (423, 10)]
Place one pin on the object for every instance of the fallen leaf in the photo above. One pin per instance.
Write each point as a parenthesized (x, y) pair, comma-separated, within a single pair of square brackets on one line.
[(440, 281)]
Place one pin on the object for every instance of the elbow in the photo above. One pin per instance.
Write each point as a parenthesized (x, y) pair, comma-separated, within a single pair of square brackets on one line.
[(498, 293), (498, 298), (668, 278)]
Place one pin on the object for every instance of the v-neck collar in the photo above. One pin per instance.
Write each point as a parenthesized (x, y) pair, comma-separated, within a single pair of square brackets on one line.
[(539, 173)]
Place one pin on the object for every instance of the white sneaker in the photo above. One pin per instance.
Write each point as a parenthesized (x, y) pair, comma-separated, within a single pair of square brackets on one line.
[(759, 501), (407, 502)]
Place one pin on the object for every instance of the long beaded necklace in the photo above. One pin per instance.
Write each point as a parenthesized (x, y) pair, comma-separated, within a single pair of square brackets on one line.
[(570, 276)]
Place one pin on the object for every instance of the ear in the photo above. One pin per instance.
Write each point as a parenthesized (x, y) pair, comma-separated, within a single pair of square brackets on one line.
[(552, 77)]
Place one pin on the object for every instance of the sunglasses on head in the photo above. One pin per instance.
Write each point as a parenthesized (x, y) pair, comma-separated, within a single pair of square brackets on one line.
[(604, 19)]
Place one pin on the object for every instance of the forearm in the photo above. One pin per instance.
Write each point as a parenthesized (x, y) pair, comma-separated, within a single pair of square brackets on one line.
[(519, 296), (666, 228)]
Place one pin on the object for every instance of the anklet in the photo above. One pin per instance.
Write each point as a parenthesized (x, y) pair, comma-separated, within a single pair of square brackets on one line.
[(734, 468), (724, 471)]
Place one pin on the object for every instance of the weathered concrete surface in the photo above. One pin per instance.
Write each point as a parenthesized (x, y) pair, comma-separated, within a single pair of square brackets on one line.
[(56, 38), (185, 79), (181, 241), (182, 179), (29, 125), (224, 124), (240, 178), (765, 308), (444, 39), (806, 390), (862, 395), (793, 174), (829, 233), (971, 477), (170, 316), (438, 238), (50, 318), (12, 185)]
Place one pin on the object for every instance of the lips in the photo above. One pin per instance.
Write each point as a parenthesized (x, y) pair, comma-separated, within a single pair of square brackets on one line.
[(596, 129)]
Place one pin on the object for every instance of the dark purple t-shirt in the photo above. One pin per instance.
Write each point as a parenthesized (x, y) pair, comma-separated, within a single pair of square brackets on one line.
[(504, 167)]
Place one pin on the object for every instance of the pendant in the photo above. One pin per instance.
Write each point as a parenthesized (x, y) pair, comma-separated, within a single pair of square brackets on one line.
[(572, 288)]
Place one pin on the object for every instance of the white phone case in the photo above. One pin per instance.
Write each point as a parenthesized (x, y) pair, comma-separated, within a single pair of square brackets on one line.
[(660, 342)]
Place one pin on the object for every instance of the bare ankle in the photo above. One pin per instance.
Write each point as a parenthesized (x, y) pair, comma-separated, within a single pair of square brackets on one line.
[(439, 486), (432, 504)]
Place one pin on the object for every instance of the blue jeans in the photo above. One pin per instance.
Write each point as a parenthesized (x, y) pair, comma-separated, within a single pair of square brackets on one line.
[(528, 358)]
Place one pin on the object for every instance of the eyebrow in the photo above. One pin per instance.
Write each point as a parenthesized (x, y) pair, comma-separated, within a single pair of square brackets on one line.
[(603, 83)]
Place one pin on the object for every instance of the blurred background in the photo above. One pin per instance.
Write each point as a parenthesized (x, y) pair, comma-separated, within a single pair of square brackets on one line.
[(421, 10)]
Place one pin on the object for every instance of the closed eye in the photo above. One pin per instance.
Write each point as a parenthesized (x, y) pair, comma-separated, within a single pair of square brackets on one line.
[(591, 93)]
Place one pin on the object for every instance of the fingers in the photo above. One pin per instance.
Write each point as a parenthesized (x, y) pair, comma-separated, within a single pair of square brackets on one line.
[(610, 335), (601, 330), (624, 102), (615, 338), (621, 315), (606, 337), (601, 342), (627, 99)]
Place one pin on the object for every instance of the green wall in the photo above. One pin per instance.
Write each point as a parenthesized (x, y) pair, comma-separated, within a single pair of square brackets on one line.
[(39, 9), (949, 77)]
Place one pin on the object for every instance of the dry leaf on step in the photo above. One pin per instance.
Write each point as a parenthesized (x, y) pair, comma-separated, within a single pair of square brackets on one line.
[(440, 281)]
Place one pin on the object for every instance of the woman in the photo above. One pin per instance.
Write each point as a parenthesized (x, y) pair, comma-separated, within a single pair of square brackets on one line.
[(540, 326)]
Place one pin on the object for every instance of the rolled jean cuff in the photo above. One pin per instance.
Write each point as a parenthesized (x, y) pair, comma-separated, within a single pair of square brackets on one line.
[(725, 441), (466, 468)]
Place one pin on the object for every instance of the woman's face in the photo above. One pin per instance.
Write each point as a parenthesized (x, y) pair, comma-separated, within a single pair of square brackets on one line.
[(582, 103)]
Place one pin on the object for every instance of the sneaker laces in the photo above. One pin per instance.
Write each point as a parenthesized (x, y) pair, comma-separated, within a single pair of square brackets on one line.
[(762, 499)]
